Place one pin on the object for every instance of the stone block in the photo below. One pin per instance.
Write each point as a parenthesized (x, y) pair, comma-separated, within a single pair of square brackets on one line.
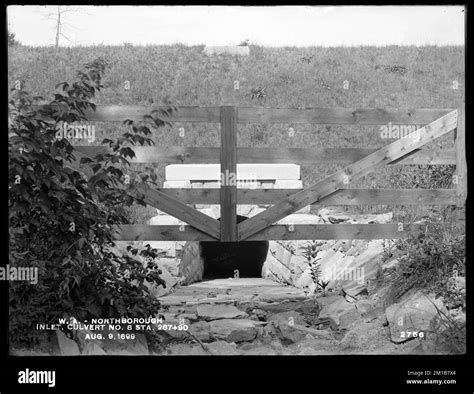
[(177, 184), (342, 313), (165, 220), (67, 346), (212, 172), (282, 183), (415, 314), (215, 312), (208, 185), (267, 185), (191, 265), (223, 348)]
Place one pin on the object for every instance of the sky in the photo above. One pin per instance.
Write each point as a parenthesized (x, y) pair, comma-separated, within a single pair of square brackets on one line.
[(229, 25)]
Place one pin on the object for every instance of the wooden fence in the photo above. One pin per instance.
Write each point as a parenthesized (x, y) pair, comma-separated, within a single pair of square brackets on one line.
[(330, 191)]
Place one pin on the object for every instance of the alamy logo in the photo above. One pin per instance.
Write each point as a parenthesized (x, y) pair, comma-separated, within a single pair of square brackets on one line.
[(246, 180), (37, 377), (29, 274), (76, 132), (400, 131)]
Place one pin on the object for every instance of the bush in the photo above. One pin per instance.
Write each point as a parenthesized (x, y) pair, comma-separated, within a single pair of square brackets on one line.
[(61, 221), (428, 260), (11, 39)]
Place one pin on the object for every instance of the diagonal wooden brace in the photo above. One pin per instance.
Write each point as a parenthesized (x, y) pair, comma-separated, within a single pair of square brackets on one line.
[(180, 210), (333, 183)]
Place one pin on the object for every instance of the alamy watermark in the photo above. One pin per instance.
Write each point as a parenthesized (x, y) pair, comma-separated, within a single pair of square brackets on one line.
[(392, 131), (343, 274), (245, 180), (27, 274), (76, 131)]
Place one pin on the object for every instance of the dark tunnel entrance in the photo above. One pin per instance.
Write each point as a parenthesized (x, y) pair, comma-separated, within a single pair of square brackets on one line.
[(222, 259)]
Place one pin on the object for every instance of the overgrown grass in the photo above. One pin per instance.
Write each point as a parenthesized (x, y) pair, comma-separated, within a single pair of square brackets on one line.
[(429, 260), (389, 77)]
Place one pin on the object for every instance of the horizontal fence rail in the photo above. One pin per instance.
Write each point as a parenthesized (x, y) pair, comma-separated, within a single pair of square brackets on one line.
[(140, 232), (191, 155), (342, 116), (342, 197)]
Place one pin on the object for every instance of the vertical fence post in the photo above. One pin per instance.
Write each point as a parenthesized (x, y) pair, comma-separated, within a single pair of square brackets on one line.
[(461, 167), (228, 197)]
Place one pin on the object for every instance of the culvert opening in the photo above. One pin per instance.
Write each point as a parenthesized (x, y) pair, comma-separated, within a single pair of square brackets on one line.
[(225, 259)]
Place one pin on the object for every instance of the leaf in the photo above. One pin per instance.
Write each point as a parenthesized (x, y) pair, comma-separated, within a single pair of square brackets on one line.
[(86, 160), (81, 242)]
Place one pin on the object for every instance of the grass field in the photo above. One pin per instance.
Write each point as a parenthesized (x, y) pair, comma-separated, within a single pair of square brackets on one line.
[(389, 77)]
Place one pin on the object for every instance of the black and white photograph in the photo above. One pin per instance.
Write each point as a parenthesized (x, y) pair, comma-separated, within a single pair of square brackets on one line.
[(236, 181)]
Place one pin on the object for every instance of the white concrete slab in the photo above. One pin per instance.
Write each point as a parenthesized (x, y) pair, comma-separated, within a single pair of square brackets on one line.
[(177, 184), (211, 172), (288, 184), (300, 218), (214, 211), (267, 185), (217, 185)]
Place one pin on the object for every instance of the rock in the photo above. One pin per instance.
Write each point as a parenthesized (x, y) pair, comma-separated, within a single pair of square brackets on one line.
[(184, 349), (127, 347), (260, 314), (341, 313), (334, 214), (308, 307), (457, 283), (350, 299), (390, 264), (346, 320), (328, 300), (270, 333), (333, 265), (457, 293), (354, 288), (374, 313), (261, 350), (191, 265), (214, 312), (311, 346), (165, 248), (93, 349), (161, 290), (82, 336), (306, 351), (458, 316), (171, 265), (311, 333), (364, 306), (233, 330), (303, 305), (415, 314), (200, 330), (67, 347), (223, 348), (229, 330), (285, 321), (188, 316)]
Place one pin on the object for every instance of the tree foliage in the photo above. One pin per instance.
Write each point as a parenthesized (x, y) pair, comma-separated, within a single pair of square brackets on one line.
[(12, 41), (61, 220)]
